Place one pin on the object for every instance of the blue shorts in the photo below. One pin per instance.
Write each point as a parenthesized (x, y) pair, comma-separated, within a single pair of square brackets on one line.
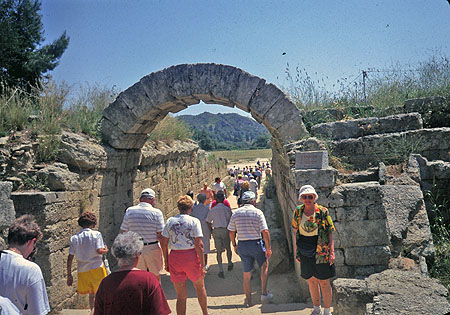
[(249, 251)]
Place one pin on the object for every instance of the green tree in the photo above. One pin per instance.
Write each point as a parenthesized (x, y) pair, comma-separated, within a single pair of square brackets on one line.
[(262, 141), (23, 60)]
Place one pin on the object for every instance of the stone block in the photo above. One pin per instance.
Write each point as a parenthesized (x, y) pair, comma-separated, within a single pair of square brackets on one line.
[(319, 179), (356, 194), (367, 255), (362, 233), (264, 99), (311, 160), (7, 212), (351, 214), (246, 88)]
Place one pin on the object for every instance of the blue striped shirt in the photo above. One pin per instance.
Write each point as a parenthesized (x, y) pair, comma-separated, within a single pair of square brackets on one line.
[(144, 220), (248, 221)]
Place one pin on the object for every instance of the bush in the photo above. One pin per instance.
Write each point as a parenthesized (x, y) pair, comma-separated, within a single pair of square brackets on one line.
[(170, 129)]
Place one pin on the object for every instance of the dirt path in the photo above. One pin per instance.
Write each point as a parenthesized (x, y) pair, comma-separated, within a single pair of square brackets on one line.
[(226, 296)]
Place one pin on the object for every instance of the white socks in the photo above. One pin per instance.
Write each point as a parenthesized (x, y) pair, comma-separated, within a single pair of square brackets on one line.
[(326, 311)]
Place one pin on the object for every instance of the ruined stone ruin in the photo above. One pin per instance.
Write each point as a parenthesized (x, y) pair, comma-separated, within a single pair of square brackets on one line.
[(383, 236)]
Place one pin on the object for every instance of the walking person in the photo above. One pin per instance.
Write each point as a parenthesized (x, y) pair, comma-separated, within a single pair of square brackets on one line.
[(209, 194), (148, 222), (88, 246), (218, 219), (21, 280), (254, 186), (315, 247), (130, 290), (249, 223), (201, 211), (219, 186), (184, 235)]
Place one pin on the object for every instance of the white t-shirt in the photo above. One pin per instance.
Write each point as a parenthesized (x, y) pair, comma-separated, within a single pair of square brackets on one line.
[(181, 230), (144, 220), (218, 187), (84, 246), (21, 281), (7, 307)]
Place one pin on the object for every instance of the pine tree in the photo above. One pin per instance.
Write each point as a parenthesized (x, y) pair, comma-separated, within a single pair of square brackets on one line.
[(23, 60)]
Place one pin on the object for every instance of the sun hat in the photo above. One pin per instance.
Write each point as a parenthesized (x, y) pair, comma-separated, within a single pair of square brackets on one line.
[(248, 196), (148, 193), (307, 190)]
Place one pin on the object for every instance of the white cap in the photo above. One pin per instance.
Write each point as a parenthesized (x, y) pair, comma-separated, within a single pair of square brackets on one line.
[(148, 193)]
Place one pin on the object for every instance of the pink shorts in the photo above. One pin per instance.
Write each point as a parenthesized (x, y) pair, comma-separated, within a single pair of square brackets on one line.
[(184, 264)]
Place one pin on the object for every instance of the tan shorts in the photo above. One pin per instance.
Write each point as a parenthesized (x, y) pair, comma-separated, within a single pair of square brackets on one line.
[(151, 259)]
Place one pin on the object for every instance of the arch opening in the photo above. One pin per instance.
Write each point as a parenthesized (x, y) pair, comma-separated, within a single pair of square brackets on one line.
[(127, 121)]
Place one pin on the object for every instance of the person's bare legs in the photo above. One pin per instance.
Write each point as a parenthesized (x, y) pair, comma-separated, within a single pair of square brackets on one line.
[(180, 288), (199, 286), (91, 300), (264, 277), (313, 284), (325, 286), (219, 259), (248, 287)]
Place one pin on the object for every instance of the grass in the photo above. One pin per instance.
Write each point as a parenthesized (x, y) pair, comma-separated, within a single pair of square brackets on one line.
[(440, 229), (170, 129), (385, 89), (244, 155)]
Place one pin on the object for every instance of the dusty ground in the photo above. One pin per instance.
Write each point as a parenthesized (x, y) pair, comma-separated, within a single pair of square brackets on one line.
[(226, 296)]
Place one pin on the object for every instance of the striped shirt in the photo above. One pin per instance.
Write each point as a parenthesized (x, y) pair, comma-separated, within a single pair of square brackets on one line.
[(144, 220), (248, 221)]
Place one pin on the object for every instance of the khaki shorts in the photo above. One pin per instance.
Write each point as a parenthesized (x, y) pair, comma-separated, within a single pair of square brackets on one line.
[(151, 259), (221, 239)]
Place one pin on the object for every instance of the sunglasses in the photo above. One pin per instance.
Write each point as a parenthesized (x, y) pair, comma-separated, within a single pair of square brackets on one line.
[(310, 197)]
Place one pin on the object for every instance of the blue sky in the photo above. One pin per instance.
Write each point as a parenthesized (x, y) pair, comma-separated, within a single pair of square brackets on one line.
[(115, 43)]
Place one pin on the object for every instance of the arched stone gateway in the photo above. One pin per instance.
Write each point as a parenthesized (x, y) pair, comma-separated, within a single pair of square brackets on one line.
[(136, 111)]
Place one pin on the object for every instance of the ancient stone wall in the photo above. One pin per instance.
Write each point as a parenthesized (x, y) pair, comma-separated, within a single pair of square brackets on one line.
[(92, 177)]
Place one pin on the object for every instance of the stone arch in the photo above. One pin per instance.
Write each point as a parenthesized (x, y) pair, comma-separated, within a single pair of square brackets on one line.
[(127, 121)]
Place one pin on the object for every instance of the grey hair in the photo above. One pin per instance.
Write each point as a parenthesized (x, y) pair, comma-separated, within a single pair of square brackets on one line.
[(125, 247)]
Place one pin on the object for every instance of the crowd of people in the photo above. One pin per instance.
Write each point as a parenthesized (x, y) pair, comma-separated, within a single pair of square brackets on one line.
[(146, 246)]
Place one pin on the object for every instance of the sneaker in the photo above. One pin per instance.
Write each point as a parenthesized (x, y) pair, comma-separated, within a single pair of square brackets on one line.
[(266, 298), (221, 275), (316, 312), (230, 267), (206, 268)]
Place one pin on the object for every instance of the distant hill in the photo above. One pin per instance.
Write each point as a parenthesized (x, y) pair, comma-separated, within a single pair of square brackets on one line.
[(227, 131)]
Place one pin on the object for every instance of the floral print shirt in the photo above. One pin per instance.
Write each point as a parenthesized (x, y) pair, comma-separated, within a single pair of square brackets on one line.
[(326, 226)]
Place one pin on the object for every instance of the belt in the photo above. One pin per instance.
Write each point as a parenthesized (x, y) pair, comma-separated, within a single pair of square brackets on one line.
[(151, 243)]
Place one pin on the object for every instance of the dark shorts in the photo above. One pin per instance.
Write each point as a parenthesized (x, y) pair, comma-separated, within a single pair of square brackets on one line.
[(309, 269), (249, 251)]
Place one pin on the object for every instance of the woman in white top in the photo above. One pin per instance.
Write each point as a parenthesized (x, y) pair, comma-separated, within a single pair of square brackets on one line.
[(186, 260)]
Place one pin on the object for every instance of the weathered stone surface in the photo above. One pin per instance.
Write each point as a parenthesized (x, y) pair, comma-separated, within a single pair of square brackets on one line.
[(435, 110), (407, 221), (59, 178), (319, 179), (362, 233), (80, 153), (367, 126), (368, 151), (390, 292), (311, 160), (7, 212)]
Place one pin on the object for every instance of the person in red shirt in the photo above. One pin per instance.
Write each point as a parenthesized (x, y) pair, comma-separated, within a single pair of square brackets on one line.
[(130, 290)]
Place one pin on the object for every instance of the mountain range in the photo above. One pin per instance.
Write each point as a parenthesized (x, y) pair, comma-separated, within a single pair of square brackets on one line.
[(227, 131)]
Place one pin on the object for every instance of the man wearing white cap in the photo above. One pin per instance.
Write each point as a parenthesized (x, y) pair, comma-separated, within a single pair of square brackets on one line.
[(249, 223), (148, 222)]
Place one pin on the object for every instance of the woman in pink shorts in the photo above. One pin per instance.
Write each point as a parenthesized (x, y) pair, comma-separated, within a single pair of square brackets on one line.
[(186, 258)]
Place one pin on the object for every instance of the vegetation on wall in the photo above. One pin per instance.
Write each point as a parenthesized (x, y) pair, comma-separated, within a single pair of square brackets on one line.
[(170, 129), (377, 94)]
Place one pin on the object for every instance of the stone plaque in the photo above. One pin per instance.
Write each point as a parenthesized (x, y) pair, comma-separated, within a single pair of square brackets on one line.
[(311, 160)]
